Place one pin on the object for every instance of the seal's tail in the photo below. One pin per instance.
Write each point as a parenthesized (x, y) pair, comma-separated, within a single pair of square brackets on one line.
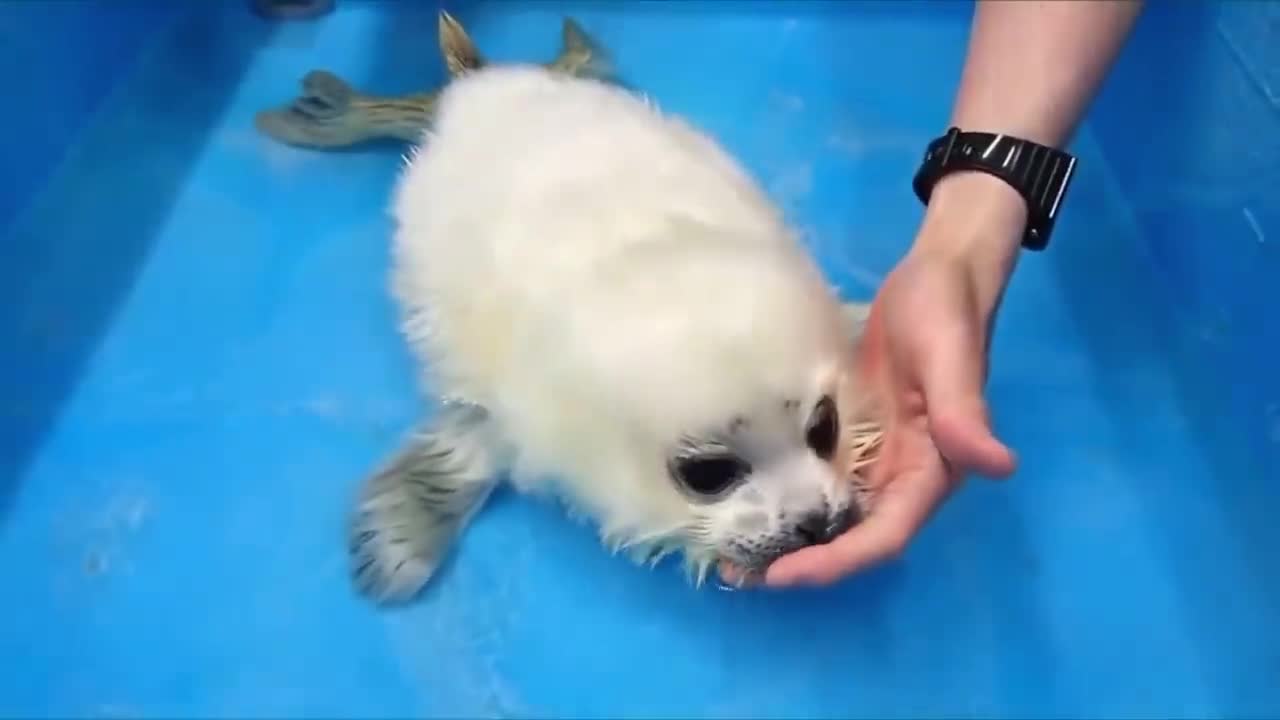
[(410, 512)]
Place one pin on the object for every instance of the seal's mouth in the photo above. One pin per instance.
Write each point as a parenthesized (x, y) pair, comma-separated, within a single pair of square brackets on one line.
[(864, 441), (737, 576), (745, 570)]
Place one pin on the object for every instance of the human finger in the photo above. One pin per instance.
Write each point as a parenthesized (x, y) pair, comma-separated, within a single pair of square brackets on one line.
[(970, 446), (906, 503), (952, 375)]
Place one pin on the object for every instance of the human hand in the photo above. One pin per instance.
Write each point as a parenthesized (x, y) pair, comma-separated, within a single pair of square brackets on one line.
[(924, 355)]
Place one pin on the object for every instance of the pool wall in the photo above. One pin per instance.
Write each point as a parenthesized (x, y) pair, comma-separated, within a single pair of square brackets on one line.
[(1190, 124), (69, 56), (76, 67), (1189, 121)]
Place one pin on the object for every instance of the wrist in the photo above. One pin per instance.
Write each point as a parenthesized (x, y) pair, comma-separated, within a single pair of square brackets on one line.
[(973, 215), (975, 221)]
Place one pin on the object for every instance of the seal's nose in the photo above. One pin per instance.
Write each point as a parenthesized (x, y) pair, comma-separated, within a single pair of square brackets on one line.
[(818, 528)]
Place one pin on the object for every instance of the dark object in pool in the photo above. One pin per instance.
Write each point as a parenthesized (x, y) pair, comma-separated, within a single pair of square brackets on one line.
[(292, 9), (330, 113)]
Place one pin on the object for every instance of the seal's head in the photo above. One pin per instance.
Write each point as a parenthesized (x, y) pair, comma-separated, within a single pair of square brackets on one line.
[(709, 404), (770, 482)]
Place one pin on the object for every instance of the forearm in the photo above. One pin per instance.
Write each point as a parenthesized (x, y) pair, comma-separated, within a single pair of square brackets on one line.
[(1031, 71), (1033, 67)]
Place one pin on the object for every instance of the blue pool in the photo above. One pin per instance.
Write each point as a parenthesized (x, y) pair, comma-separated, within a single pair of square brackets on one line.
[(198, 361)]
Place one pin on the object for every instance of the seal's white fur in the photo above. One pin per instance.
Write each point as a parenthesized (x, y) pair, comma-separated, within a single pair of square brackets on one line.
[(601, 279)]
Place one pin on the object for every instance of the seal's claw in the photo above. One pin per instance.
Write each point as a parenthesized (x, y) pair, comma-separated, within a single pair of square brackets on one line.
[(384, 582)]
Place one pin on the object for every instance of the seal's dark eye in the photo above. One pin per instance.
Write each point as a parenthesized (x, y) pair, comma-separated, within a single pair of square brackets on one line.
[(709, 474), (824, 429)]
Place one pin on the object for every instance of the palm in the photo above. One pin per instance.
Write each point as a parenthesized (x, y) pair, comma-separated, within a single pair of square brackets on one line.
[(923, 340)]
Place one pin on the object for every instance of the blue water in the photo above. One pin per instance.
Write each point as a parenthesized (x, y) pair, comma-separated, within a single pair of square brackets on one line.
[(201, 361)]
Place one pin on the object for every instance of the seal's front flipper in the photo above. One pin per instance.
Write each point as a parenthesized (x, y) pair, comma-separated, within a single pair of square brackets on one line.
[(325, 114), (324, 95), (410, 512)]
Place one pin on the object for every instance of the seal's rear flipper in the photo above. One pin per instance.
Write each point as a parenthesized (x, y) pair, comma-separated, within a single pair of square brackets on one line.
[(459, 52), (575, 42), (410, 512)]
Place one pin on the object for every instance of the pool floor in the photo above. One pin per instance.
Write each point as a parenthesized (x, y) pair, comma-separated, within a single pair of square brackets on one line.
[(213, 365)]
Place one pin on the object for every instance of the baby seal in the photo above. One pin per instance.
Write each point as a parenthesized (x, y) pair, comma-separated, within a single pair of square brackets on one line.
[(618, 315)]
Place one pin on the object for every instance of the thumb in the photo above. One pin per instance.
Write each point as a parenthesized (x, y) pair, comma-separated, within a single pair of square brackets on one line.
[(953, 378)]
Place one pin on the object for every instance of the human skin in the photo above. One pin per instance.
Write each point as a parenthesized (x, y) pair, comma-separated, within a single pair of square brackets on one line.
[(1031, 71)]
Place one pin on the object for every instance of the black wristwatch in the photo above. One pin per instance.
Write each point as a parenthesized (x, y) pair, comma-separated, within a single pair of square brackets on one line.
[(1039, 173)]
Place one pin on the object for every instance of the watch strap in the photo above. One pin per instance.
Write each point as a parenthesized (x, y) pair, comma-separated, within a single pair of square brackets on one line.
[(1040, 174)]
